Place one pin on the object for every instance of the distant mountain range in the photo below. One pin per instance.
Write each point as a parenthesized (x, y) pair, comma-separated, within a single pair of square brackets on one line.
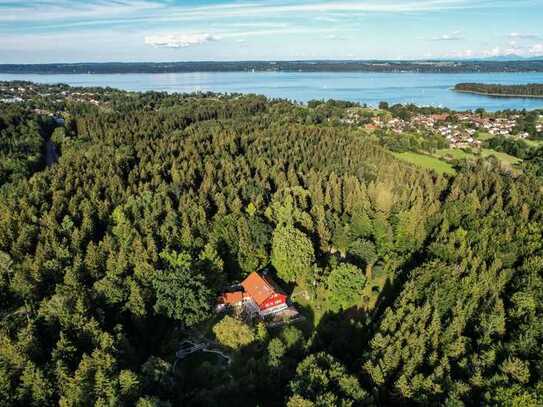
[(510, 63), (511, 57)]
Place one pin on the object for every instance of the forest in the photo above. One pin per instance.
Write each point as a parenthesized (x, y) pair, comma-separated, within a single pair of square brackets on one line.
[(529, 90), (416, 288)]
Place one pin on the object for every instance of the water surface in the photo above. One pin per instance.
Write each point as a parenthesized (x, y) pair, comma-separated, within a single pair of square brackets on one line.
[(423, 89)]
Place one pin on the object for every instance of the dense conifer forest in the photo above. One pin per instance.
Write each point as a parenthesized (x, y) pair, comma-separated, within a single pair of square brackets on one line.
[(534, 90), (415, 288)]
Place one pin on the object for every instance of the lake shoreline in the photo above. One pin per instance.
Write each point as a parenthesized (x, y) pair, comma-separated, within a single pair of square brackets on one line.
[(365, 88), (499, 95)]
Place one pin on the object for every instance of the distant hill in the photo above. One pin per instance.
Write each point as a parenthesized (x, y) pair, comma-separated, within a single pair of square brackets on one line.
[(429, 66)]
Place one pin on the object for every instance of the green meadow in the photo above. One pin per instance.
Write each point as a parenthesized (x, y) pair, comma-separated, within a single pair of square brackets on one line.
[(426, 162)]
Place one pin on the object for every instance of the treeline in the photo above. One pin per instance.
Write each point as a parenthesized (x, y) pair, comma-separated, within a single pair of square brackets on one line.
[(285, 66), (529, 90), (532, 156), (419, 289), (515, 147)]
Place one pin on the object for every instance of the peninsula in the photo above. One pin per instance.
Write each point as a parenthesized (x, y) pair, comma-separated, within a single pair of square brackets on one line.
[(532, 90)]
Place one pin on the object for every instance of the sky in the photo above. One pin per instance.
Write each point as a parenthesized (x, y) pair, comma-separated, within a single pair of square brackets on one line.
[(49, 31)]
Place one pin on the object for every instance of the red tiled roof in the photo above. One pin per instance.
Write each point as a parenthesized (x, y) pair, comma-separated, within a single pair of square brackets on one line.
[(231, 298), (440, 117), (258, 287)]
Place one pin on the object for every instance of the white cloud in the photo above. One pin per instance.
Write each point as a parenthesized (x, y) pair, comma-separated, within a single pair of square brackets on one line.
[(322, 9), (183, 40), (286, 31), (455, 36), (59, 10), (535, 50), (155, 10), (467, 53), (179, 40), (499, 52), (523, 36)]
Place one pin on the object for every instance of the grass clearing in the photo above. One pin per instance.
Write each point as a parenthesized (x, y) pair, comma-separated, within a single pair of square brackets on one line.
[(310, 304), (505, 159), (438, 161), (426, 162), (372, 291), (453, 154), (483, 136), (534, 143)]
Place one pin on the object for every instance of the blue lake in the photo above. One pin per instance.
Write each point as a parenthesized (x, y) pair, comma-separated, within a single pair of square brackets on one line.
[(420, 88)]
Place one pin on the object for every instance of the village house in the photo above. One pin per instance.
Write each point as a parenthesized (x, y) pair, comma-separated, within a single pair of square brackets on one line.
[(440, 117), (459, 135), (372, 127), (258, 293)]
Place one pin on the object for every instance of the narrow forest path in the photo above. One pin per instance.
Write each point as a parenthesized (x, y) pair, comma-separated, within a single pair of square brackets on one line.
[(51, 153)]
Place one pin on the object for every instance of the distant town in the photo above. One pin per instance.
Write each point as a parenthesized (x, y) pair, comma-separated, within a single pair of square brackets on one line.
[(460, 129), (20, 91)]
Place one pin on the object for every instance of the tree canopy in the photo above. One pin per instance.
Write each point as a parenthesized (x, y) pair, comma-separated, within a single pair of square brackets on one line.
[(414, 288), (292, 254)]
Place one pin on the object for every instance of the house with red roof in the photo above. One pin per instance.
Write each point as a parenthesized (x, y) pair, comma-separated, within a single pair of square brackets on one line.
[(257, 291)]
